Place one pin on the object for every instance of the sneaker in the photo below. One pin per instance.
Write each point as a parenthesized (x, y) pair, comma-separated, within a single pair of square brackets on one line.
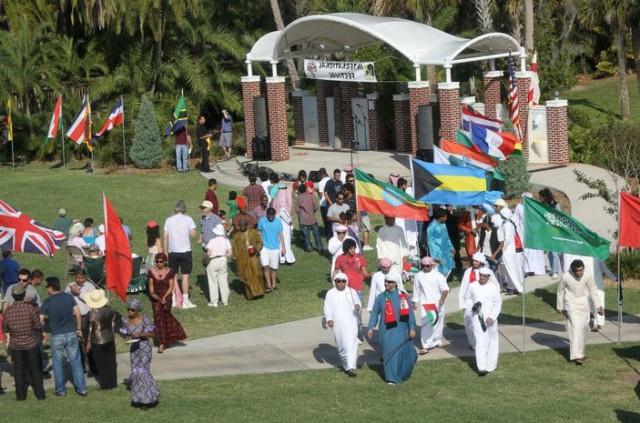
[(212, 304), (367, 248), (554, 276), (188, 304)]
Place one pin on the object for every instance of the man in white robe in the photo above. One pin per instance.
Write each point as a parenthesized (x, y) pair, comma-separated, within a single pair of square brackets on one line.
[(409, 226), (472, 275), (341, 309), (377, 281), (487, 303), (575, 289), (392, 244), (429, 293), (334, 246), (511, 258), (533, 259)]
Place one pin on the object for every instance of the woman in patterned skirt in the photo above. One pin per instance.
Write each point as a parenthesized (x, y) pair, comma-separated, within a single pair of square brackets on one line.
[(161, 286), (138, 330)]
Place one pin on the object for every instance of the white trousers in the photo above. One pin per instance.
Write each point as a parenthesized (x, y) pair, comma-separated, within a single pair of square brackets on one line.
[(217, 279), (431, 336), (487, 346)]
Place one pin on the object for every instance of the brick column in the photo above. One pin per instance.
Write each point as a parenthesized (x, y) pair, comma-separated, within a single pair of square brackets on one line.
[(449, 99), (492, 81), (250, 89), (349, 90), (323, 90), (522, 81), (298, 115), (401, 122), (419, 93), (557, 131), (376, 129), (277, 112)]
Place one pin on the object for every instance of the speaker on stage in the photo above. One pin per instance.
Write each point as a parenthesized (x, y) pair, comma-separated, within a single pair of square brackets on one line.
[(427, 133), (260, 117)]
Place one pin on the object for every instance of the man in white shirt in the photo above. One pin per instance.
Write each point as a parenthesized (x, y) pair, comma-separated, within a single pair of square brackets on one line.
[(78, 289), (178, 229), (429, 293), (100, 240), (392, 243)]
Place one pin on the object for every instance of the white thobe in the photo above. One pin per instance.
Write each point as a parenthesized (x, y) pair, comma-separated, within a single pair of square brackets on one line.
[(574, 296), (339, 306), (513, 261), (464, 301), (410, 228), (533, 259), (487, 343), (392, 244), (287, 230), (427, 289), (596, 269), (377, 286), (335, 249)]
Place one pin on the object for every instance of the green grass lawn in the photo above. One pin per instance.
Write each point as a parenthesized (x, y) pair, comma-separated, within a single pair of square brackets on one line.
[(537, 386), (600, 99)]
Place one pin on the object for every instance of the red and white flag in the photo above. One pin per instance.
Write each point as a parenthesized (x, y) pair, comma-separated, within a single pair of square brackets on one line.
[(628, 220), (534, 83), (19, 232), (56, 117), (514, 107), (116, 118), (80, 130), (118, 264)]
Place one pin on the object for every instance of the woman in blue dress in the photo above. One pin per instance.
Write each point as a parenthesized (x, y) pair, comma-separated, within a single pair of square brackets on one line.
[(440, 246), (396, 327), (138, 330)]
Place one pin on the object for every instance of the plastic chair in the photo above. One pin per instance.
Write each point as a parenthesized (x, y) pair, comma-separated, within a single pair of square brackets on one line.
[(138, 282), (95, 270)]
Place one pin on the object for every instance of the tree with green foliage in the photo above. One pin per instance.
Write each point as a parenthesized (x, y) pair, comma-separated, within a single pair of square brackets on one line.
[(515, 173), (146, 150)]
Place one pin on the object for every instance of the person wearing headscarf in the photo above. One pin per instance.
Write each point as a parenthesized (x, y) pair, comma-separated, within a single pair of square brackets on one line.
[(377, 281), (247, 244), (101, 340), (429, 293), (334, 246), (243, 215), (341, 309), (512, 252), (487, 303), (396, 323), (392, 243), (575, 289), (440, 246), (138, 331)]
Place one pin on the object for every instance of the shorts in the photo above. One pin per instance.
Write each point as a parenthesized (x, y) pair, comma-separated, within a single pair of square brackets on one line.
[(270, 258), (181, 262), (365, 223), (225, 139)]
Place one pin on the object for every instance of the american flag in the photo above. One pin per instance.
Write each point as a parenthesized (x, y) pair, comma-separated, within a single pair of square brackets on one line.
[(514, 108), (20, 233)]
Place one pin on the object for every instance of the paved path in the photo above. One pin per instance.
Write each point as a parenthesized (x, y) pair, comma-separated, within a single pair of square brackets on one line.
[(306, 345)]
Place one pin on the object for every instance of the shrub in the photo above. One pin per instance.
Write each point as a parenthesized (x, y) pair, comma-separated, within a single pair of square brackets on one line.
[(629, 264), (146, 151), (515, 171)]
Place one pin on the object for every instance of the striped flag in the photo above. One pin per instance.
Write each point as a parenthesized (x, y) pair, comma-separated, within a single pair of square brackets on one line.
[(80, 130), (116, 118), (470, 116), (56, 117), (514, 108), (498, 145), (534, 84)]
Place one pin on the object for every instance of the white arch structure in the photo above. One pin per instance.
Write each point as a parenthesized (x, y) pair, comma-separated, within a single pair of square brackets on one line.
[(343, 32)]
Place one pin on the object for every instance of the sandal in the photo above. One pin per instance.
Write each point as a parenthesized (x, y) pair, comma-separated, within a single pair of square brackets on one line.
[(423, 351)]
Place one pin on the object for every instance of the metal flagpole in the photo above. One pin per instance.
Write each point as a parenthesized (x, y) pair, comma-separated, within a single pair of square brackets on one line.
[(124, 145), (524, 327), (64, 164), (619, 278), (13, 161)]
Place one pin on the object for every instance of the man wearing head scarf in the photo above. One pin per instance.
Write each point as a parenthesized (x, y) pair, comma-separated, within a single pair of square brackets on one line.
[(470, 276), (377, 281), (392, 243), (335, 244), (512, 252), (487, 302), (429, 293), (396, 326), (440, 246), (243, 215), (341, 309)]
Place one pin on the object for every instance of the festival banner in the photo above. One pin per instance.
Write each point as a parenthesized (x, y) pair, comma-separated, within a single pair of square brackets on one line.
[(340, 71)]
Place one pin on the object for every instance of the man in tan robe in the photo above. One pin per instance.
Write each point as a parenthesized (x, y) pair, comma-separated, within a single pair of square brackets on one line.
[(575, 289), (246, 250)]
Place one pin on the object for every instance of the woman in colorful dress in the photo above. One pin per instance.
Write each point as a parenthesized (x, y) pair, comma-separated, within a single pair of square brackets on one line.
[(137, 329), (161, 286)]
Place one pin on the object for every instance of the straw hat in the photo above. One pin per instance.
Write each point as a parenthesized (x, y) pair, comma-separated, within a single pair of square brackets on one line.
[(95, 298)]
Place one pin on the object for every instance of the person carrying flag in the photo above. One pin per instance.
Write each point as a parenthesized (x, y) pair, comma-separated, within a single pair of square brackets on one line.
[(429, 293)]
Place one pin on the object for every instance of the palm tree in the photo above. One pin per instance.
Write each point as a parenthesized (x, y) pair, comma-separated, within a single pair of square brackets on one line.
[(277, 17)]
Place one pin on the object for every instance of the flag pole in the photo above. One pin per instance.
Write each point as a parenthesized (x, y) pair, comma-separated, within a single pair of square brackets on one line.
[(64, 164), (124, 145), (619, 287), (13, 161)]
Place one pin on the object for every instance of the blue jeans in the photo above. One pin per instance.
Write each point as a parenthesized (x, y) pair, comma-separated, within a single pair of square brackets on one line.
[(65, 349), (554, 262), (307, 238), (182, 157)]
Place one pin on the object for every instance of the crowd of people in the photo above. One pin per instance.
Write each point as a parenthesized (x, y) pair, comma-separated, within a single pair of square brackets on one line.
[(256, 231)]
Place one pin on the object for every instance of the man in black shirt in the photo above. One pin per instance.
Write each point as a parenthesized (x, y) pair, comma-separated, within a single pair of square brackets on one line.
[(203, 135)]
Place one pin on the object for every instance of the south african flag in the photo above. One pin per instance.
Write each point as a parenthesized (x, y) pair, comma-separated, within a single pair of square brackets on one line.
[(430, 314)]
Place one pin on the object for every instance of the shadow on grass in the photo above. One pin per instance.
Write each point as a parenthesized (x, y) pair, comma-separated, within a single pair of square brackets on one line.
[(510, 319), (546, 296), (554, 342), (627, 416), (203, 283)]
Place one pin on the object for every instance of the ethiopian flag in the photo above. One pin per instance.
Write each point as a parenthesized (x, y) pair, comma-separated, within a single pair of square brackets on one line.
[(430, 314), (377, 197)]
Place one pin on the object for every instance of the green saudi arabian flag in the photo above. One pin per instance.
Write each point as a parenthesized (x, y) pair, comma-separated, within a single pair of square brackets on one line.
[(549, 229)]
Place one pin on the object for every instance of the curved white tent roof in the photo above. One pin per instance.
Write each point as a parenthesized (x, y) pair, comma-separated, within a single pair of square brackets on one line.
[(339, 32)]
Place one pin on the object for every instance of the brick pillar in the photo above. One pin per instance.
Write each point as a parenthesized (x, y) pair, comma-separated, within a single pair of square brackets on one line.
[(349, 90), (449, 99), (323, 90), (557, 131), (522, 81), (419, 93), (376, 129), (277, 112), (298, 115), (401, 122), (492, 81), (250, 89)]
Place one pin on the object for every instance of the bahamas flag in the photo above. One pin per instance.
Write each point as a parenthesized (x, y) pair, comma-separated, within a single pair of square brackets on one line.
[(180, 117), (377, 197), (430, 314), (455, 185)]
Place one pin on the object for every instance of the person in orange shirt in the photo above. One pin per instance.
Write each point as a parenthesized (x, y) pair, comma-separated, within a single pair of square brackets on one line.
[(466, 228)]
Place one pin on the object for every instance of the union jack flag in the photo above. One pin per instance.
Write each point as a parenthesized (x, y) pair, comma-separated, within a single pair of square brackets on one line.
[(19, 232)]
